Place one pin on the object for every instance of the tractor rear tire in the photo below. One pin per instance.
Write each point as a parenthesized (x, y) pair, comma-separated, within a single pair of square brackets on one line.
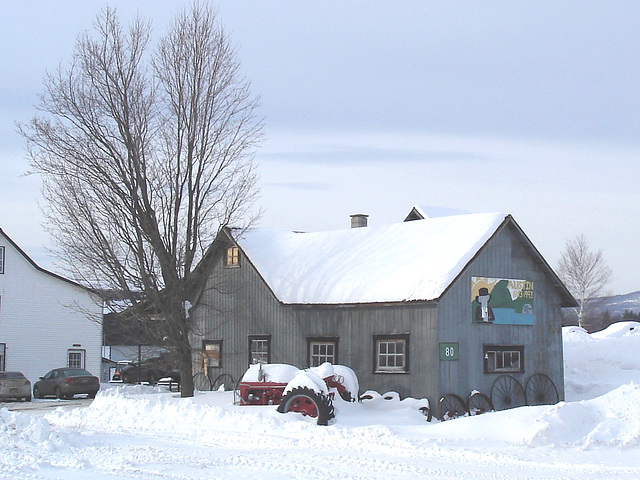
[(309, 403)]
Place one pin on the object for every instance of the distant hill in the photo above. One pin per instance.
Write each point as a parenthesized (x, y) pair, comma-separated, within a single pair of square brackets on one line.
[(617, 304), (611, 310)]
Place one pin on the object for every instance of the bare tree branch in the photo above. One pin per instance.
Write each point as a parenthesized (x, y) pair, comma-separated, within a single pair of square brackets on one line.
[(145, 156), (585, 274)]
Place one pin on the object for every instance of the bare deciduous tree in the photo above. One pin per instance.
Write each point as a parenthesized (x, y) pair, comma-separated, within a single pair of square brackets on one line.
[(585, 274), (144, 156)]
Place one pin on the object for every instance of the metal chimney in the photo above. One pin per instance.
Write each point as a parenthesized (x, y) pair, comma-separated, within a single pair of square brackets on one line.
[(359, 220)]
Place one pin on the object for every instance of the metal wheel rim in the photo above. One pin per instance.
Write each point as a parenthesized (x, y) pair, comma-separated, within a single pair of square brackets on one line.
[(451, 406), (225, 380), (479, 403), (507, 392), (540, 390), (201, 382), (304, 405)]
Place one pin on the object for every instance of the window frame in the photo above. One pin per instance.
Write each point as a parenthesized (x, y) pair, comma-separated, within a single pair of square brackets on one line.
[(3, 356), (311, 341), (231, 257), (83, 357), (2, 259), (494, 356), (391, 339), (259, 338), (217, 363)]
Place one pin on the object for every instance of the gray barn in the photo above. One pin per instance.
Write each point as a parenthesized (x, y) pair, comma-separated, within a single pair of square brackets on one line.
[(424, 308)]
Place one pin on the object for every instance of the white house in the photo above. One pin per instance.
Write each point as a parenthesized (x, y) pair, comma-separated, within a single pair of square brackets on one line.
[(46, 321)]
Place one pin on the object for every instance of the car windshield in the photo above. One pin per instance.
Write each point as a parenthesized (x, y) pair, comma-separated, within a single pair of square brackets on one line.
[(5, 375), (76, 372)]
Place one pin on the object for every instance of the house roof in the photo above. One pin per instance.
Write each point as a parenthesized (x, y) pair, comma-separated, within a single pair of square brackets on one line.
[(35, 265), (401, 262)]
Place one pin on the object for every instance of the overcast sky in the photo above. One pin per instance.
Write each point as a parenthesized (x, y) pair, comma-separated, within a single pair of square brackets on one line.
[(528, 108)]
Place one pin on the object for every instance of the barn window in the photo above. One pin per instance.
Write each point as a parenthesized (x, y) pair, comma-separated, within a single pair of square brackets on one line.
[(322, 350), (391, 353), (503, 358), (75, 358), (212, 353), (1, 259), (3, 347), (232, 257), (259, 349)]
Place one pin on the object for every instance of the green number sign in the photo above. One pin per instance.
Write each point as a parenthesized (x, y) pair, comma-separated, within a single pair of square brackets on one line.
[(449, 351)]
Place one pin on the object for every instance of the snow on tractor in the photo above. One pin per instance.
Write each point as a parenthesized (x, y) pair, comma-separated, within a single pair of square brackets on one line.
[(310, 392)]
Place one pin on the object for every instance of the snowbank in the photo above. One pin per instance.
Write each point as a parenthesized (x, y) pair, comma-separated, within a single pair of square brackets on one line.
[(599, 363), (148, 433), (28, 441), (611, 420)]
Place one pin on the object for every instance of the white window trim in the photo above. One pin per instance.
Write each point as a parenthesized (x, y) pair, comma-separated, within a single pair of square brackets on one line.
[(395, 340), (321, 358), (77, 351)]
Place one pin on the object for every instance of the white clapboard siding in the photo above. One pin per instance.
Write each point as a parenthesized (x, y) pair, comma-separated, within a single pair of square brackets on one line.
[(43, 315)]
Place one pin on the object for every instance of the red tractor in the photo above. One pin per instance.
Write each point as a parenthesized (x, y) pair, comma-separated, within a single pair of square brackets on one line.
[(310, 392)]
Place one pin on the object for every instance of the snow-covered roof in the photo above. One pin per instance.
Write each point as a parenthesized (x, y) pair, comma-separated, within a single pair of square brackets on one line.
[(394, 263)]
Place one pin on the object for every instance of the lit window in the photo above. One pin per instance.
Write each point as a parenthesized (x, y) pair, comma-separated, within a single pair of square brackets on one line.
[(212, 353), (232, 256), (392, 354), (259, 349), (323, 350), (503, 358)]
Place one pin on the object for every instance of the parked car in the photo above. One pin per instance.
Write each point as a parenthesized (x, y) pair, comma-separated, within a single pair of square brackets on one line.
[(66, 382), (149, 371), (14, 385)]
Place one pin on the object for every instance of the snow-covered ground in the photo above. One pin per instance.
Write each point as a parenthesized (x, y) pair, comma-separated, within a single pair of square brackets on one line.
[(147, 433)]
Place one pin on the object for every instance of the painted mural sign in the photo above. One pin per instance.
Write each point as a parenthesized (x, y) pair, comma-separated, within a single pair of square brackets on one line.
[(502, 301)]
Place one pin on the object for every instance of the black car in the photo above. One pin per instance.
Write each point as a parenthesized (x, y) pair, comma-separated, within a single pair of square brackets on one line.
[(66, 382), (149, 371)]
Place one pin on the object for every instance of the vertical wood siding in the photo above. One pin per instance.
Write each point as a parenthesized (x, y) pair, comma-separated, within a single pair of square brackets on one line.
[(505, 256), (237, 303)]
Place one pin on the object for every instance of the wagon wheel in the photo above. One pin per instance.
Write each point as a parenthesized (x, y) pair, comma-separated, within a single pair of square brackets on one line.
[(309, 403), (201, 382), (451, 406), (224, 382), (479, 403), (506, 392), (426, 411), (540, 390)]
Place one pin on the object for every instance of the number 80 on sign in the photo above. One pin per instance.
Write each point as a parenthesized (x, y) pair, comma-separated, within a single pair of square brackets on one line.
[(449, 352)]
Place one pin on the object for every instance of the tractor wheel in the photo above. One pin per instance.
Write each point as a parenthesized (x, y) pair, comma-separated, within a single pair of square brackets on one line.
[(309, 403), (347, 397)]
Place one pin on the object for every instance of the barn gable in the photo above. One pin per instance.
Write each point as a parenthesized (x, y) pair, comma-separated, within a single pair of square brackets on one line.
[(354, 296)]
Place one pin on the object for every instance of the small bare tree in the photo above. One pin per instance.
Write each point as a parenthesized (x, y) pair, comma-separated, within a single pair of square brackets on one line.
[(144, 156), (585, 274)]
